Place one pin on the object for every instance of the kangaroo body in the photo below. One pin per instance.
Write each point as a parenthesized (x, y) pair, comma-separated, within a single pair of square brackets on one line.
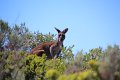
[(45, 48), (51, 49)]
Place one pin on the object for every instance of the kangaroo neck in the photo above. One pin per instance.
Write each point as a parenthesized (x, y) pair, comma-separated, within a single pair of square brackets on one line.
[(59, 42)]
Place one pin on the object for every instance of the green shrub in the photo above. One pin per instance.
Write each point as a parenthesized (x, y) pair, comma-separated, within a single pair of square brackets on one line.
[(68, 77), (85, 75), (17, 64), (35, 67), (56, 64), (11, 65), (52, 74), (94, 64), (110, 65)]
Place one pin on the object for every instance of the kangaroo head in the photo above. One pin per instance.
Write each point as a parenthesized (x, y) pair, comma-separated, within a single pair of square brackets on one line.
[(61, 34)]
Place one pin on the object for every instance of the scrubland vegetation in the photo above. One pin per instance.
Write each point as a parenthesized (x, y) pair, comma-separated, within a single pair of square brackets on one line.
[(17, 41)]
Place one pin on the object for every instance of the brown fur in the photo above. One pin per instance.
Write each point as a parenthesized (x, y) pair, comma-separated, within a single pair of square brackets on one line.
[(51, 49), (43, 48)]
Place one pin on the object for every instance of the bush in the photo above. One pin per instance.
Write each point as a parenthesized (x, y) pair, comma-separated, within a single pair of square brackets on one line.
[(17, 64), (110, 67), (52, 74), (35, 67), (85, 75), (11, 65)]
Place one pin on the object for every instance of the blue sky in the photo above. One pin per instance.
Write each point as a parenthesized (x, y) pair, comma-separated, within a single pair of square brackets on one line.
[(91, 23)]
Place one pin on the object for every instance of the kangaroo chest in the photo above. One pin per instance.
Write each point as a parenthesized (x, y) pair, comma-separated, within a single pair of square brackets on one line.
[(55, 49)]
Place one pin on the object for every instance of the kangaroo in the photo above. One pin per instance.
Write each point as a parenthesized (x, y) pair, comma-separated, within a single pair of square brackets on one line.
[(51, 49)]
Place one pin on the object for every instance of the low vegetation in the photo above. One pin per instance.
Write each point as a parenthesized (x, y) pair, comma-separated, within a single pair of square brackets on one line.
[(16, 63)]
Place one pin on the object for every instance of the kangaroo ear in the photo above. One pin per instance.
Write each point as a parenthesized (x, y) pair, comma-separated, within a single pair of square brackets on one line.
[(57, 30), (65, 30)]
